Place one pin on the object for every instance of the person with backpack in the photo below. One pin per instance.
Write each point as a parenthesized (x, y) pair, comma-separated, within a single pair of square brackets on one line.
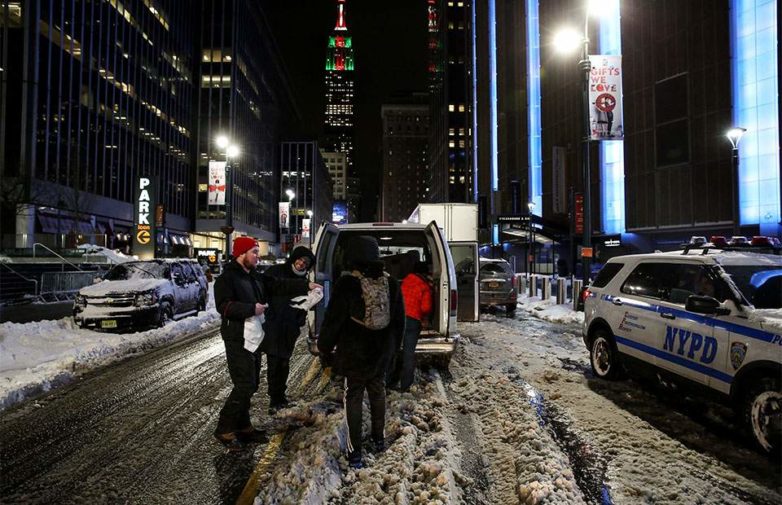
[(363, 320), (283, 326), (417, 295), (241, 297)]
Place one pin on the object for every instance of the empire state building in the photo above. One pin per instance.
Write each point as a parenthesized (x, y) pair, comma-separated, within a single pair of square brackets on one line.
[(339, 120)]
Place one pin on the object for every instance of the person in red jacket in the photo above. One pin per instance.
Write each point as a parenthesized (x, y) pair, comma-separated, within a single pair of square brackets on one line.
[(417, 294)]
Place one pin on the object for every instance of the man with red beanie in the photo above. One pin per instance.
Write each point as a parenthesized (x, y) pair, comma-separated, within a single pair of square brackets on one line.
[(241, 295), (417, 294)]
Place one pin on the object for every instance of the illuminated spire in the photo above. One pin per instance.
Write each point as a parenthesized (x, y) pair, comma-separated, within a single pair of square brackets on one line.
[(341, 26)]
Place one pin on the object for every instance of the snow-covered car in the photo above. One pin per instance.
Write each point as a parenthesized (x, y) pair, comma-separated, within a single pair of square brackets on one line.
[(497, 283), (704, 321), (142, 293)]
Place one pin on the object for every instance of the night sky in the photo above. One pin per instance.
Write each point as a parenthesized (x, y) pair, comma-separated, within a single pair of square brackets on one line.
[(389, 40)]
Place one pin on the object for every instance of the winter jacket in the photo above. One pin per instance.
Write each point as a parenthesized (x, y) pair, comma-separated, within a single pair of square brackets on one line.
[(237, 292), (361, 353), (283, 322), (417, 295)]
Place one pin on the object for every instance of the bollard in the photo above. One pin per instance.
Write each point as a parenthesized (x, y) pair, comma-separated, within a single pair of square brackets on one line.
[(545, 288), (521, 283), (577, 283), (561, 290), (533, 285)]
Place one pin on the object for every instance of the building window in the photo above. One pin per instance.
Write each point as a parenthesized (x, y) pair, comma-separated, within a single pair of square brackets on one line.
[(672, 124)]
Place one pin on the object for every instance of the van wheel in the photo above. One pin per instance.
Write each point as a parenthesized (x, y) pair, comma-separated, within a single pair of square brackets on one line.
[(603, 356), (510, 309), (164, 314), (762, 412)]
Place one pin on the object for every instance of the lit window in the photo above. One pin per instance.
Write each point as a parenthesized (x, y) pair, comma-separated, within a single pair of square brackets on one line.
[(461, 107), (451, 107)]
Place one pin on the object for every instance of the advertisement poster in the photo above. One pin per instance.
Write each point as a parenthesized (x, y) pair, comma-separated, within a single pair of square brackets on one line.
[(285, 208), (605, 98), (339, 212), (558, 176), (216, 183), (305, 228)]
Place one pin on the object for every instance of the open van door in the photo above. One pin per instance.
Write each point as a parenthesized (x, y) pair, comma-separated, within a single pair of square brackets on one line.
[(465, 258), (323, 249), (447, 296)]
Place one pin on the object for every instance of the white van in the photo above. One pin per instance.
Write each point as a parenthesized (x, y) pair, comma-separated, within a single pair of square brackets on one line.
[(401, 245)]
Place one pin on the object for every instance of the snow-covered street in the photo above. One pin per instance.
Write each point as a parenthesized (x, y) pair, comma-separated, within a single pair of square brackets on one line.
[(518, 418)]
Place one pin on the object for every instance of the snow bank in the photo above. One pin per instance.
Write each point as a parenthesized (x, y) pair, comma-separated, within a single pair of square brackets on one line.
[(548, 310), (37, 356)]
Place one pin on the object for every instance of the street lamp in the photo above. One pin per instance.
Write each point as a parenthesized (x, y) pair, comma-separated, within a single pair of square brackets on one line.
[(734, 135), (231, 151), (531, 252), (566, 41)]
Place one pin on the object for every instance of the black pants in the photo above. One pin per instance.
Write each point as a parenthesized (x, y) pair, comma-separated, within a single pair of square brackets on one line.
[(354, 403), (245, 370), (403, 364), (277, 377)]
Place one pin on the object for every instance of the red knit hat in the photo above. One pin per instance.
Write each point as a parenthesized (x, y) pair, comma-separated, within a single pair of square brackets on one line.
[(242, 245)]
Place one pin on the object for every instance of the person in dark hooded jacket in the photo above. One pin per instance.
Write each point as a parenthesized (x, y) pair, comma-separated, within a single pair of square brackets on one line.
[(362, 354), (282, 327)]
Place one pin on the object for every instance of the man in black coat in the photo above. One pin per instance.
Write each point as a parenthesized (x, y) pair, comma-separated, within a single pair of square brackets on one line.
[(241, 293), (362, 354), (283, 325)]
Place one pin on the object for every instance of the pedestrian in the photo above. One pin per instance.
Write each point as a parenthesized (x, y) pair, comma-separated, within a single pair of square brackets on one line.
[(417, 295), (241, 298), (363, 320), (283, 326)]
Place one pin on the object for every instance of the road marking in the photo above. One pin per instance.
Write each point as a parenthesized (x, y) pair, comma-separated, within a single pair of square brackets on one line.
[(250, 490)]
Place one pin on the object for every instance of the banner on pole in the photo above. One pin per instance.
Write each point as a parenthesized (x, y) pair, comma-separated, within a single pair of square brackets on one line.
[(558, 176), (605, 98), (284, 215), (216, 183)]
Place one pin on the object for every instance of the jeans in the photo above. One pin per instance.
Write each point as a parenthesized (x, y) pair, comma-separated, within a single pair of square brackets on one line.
[(244, 368), (409, 341), (354, 403)]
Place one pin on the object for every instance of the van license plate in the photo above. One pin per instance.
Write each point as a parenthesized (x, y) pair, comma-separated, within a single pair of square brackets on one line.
[(108, 323), (494, 284)]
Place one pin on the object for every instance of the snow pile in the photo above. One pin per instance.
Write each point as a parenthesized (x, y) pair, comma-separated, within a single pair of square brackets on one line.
[(418, 465), (37, 356), (113, 256), (548, 310)]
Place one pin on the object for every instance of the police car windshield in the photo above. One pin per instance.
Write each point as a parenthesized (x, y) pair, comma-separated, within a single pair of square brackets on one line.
[(760, 284), (127, 271)]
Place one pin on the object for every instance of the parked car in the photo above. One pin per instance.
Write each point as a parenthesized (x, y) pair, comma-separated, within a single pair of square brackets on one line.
[(705, 323), (401, 245), (142, 293), (497, 285)]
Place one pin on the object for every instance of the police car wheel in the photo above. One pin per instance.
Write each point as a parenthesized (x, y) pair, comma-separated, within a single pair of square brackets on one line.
[(603, 356), (763, 414)]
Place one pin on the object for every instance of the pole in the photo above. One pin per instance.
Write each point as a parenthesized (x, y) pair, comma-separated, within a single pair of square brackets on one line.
[(586, 67), (229, 216), (735, 164)]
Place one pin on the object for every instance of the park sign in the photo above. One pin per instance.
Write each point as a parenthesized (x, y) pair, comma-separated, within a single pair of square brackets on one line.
[(605, 97), (145, 200)]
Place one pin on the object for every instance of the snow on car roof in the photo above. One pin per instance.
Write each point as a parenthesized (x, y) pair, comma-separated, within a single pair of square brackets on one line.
[(715, 255)]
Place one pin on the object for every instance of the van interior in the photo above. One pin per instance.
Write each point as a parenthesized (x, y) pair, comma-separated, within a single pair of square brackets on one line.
[(399, 250)]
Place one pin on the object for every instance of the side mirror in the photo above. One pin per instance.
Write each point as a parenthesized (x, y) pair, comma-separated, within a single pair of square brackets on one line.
[(705, 305)]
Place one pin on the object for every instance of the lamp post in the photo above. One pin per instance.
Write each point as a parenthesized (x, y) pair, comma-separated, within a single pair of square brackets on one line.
[(309, 231), (291, 216), (566, 41), (230, 151), (734, 135), (531, 232)]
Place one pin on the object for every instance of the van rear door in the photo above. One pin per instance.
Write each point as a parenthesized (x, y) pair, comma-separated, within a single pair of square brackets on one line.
[(323, 248), (448, 298)]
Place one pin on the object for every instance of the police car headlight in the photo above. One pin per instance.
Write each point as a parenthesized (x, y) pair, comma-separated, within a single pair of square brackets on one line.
[(145, 299), (80, 301)]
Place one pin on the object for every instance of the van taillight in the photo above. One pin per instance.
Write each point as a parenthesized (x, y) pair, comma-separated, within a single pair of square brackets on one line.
[(454, 301)]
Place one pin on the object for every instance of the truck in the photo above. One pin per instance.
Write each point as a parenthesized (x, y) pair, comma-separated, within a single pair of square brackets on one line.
[(459, 224)]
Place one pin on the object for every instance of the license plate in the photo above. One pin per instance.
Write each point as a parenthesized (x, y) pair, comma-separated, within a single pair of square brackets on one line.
[(108, 323), (494, 284)]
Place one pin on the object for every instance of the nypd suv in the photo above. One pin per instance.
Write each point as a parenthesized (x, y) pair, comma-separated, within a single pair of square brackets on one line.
[(706, 320)]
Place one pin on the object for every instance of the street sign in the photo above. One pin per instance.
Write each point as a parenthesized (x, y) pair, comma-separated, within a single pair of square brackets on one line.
[(145, 200)]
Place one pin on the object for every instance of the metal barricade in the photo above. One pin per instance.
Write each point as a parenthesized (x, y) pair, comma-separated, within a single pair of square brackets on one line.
[(65, 282), (545, 288), (561, 290), (577, 285)]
